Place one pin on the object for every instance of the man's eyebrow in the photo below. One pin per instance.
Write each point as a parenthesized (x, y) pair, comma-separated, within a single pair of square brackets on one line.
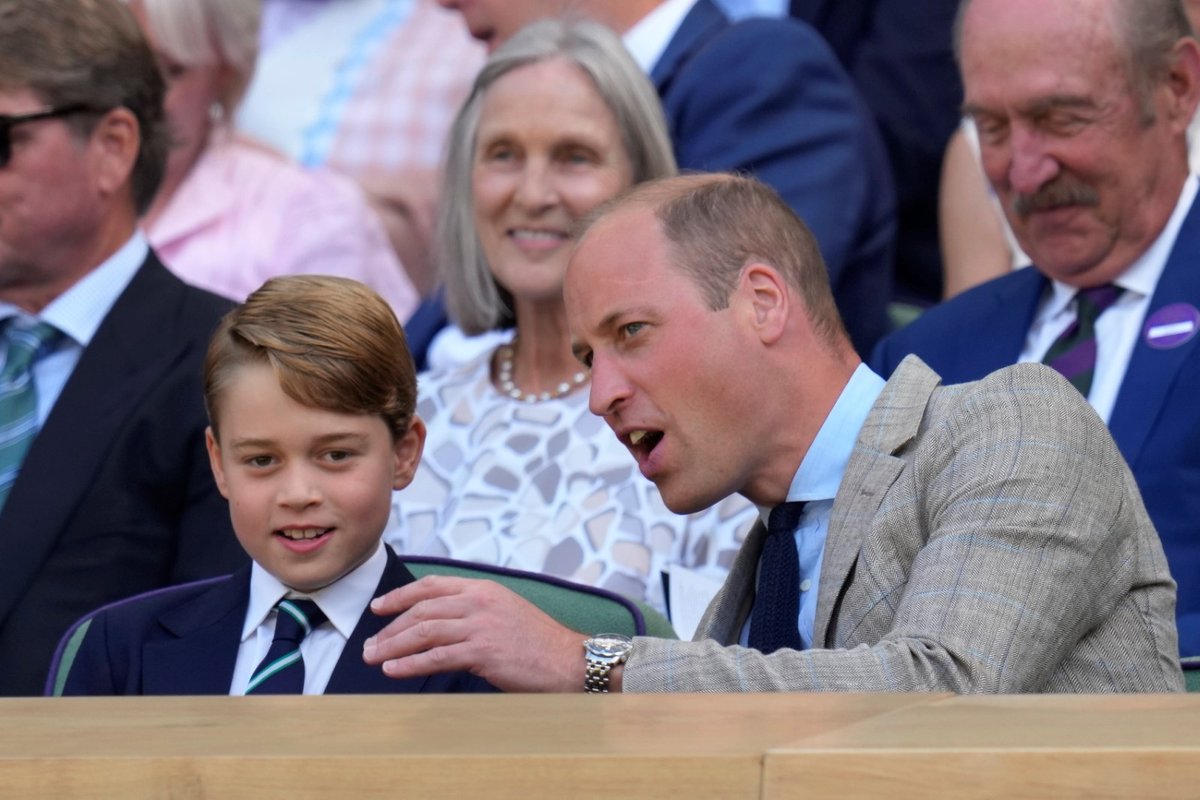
[(1038, 106)]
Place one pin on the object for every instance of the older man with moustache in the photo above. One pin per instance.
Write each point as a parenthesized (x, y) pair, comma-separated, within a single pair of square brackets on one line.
[(1082, 108)]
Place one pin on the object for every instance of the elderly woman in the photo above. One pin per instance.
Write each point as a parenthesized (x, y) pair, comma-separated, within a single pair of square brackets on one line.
[(517, 471), (232, 213)]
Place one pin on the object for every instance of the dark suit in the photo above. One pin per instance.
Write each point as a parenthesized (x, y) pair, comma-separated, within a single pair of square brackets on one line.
[(768, 97), (1155, 421), (903, 64), (115, 496), (184, 641)]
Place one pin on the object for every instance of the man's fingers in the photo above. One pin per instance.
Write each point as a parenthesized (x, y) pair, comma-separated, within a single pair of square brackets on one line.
[(397, 601)]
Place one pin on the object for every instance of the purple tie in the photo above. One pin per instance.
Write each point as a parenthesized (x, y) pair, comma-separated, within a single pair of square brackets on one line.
[(1074, 351)]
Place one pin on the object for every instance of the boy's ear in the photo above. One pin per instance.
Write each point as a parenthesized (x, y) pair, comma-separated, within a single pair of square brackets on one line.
[(214, 461), (408, 449)]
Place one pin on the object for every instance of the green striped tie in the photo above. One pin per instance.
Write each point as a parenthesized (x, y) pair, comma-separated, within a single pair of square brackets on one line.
[(18, 397), (282, 670)]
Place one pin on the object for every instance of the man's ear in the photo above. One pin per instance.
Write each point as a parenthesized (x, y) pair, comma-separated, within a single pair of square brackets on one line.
[(1183, 81), (764, 296), (115, 142), (214, 461), (407, 451)]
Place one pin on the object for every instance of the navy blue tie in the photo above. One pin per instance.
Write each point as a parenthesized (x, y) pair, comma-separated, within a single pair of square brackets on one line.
[(282, 670), (774, 621)]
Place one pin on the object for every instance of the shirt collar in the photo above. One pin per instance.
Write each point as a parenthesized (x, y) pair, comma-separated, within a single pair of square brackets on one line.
[(1142, 275), (824, 464), (647, 40), (343, 601), (79, 311)]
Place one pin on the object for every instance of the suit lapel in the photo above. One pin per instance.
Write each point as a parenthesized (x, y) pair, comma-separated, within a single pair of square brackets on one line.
[(700, 25), (893, 422), (997, 333), (729, 609), (123, 362), (352, 675), (199, 650), (1152, 372)]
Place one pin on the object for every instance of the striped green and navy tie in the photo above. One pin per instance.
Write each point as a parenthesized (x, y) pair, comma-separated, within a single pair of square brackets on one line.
[(282, 670), (18, 397)]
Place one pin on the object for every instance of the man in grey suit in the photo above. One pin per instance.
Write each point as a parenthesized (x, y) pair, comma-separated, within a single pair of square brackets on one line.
[(985, 537)]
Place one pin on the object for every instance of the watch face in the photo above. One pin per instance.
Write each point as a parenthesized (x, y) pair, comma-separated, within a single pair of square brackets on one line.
[(609, 644)]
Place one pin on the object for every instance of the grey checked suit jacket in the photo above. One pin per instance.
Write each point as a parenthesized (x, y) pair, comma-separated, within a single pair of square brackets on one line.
[(986, 537)]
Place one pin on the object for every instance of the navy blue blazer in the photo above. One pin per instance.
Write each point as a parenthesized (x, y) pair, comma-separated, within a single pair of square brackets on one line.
[(1156, 419), (768, 97), (115, 496), (184, 641)]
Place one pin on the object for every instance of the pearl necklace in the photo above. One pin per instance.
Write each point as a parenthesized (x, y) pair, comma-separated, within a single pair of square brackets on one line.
[(504, 377)]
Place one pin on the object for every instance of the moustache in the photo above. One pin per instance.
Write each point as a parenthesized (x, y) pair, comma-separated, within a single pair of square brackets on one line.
[(1053, 195)]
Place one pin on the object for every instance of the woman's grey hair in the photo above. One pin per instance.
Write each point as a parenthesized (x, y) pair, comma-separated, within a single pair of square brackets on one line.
[(474, 301), (206, 33)]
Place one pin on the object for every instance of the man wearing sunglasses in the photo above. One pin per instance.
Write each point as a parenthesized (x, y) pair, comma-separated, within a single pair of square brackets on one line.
[(104, 487)]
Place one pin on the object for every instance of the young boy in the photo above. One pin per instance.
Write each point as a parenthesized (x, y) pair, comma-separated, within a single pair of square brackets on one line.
[(310, 391)]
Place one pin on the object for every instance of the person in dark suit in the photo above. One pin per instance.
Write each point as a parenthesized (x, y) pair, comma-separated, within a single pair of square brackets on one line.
[(311, 396), (1092, 173), (104, 487), (913, 541), (762, 96)]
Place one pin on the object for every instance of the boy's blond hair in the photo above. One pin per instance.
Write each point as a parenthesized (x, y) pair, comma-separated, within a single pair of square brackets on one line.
[(333, 343)]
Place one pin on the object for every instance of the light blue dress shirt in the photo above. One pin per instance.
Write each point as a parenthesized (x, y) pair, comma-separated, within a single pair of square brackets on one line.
[(817, 482), (78, 313), (740, 9)]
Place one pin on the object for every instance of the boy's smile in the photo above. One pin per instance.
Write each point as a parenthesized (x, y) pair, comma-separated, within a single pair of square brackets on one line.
[(309, 490)]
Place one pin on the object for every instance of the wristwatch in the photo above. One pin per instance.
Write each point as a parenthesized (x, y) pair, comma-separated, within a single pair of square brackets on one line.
[(603, 652)]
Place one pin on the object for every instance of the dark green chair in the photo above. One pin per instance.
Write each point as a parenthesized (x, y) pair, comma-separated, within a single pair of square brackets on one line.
[(582, 608), (1191, 673)]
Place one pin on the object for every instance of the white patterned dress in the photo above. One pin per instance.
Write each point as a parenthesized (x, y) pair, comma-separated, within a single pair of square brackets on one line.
[(546, 487)]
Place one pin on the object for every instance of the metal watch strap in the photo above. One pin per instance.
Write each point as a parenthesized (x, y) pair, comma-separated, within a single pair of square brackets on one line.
[(597, 676)]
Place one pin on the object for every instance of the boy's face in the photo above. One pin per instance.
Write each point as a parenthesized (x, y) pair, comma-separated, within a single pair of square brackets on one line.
[(309, 490)]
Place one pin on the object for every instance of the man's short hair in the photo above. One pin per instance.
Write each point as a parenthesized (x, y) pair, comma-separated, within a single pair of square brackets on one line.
[(333, 343), (1149, 30), (92, 53), (717, 224), (473, 298)]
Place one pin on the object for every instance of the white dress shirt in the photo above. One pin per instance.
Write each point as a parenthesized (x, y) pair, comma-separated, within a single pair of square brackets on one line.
[(343, 601), (648, 38), (1118, 328)]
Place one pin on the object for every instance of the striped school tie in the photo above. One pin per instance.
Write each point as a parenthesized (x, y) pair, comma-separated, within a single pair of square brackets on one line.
[(774, 620), (18, 397), (282, 670), (1074, 351)]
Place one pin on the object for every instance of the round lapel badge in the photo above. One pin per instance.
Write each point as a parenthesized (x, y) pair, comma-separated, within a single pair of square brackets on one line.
[(1171, 326)]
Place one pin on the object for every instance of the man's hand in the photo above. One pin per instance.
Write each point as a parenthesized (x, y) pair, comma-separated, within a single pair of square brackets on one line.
[(447, 624)]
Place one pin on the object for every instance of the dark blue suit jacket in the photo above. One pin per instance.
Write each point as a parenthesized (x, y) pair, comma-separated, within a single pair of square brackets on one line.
[(184, 641), (1156, 419), (768, 97), (115, 496)]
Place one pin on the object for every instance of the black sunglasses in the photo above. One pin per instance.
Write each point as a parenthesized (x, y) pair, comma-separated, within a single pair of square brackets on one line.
[(7, 123)]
